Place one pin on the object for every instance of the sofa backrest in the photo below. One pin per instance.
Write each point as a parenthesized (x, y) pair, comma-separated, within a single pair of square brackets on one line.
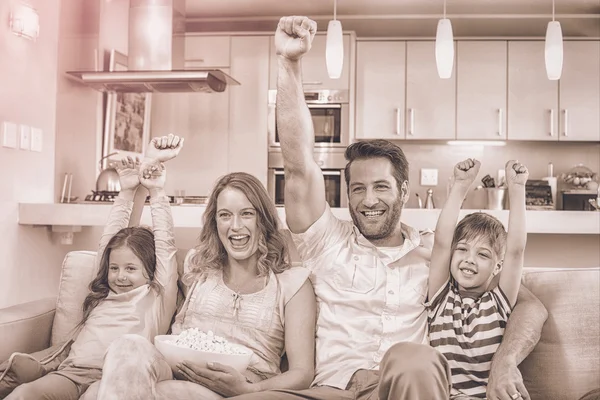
[(565, 364)]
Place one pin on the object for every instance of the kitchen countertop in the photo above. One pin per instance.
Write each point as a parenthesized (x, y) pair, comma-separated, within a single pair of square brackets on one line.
[(62, 216)]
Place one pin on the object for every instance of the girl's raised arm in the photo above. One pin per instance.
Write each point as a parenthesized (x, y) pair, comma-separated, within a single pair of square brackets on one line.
[(120, 212)]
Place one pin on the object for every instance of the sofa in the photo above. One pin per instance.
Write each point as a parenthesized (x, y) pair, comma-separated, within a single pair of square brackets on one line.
[(565, 364)]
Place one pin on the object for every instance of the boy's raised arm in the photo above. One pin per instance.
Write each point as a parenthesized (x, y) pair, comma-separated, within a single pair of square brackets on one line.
[(439, 269)]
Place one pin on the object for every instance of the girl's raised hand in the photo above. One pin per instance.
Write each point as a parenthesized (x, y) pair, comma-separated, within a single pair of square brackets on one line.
[(128, 170), (516, 173), (153, 175), (164, 148)]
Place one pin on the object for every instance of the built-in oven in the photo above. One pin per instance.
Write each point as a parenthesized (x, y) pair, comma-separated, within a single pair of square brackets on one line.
[(330, 114), (332, 164)]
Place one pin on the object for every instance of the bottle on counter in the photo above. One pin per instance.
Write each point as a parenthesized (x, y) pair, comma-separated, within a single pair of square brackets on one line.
[(429, 201), (552, 182)]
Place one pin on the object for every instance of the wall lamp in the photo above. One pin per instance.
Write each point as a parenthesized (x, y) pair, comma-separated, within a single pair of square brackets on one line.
[(25, 21)]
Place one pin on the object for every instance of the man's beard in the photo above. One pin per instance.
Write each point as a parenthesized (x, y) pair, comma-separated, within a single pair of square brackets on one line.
[(383, 231)]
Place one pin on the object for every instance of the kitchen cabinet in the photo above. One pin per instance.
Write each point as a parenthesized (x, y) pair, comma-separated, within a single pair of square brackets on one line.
[(579, 96), (314, 67), (532, 97), (430, 101), (380, 89), (481, 90), (248, 141), (203, 51)]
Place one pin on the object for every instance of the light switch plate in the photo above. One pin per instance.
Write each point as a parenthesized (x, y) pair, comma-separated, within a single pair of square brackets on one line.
[(9, 135), (36, 139), (429, 177), (25, 142)]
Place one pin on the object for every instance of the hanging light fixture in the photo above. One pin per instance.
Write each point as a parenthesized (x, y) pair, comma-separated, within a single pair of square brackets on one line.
[(334, 50), (554, 49), (444, 47)]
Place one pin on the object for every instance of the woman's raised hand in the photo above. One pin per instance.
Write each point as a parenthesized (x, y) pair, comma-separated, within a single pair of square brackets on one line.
[(164, 148), (128, 170)]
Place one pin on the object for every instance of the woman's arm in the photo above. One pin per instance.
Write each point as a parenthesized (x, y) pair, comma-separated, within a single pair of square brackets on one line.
[(439, 268), (510, 278), (300, 321)]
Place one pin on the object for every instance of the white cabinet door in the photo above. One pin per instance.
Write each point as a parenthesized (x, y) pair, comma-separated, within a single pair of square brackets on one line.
[(380, 89), (580, 91), (248, 142), (314, 67), (430, 101), (532, 97), (481, 90), (207, 51)]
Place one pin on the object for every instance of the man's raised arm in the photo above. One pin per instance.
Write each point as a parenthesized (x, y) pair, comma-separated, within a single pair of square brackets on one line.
[(304, 185)]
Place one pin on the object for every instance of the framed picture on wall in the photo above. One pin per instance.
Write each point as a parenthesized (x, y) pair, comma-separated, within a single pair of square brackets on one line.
[(127, 118)]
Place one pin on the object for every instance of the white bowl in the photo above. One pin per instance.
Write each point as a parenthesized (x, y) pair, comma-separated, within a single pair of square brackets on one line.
[(175, 354)]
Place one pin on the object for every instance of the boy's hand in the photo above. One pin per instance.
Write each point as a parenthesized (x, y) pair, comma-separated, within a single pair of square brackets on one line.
[(466, 171), (294, 37), (516, 173), (153, 175), (164, 148), (128, 170)]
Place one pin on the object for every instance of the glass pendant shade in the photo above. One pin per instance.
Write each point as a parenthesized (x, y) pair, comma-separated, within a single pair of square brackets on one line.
[(444, 48), (554, 50), (334, 51)]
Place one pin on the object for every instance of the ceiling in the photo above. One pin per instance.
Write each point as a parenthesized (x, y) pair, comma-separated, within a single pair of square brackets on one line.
[(401, 18)]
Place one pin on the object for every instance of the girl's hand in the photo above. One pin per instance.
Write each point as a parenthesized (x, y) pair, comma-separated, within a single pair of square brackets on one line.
[(153, 175), (128, 170), (219, 378), (516, 173), (466, 171), (164, 148)]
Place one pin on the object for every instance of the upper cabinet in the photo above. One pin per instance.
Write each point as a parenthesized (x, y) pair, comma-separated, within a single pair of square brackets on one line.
[(314, 68), (207, 51), (532, 97), (580, 91), (430, 101), (481, 90), (380, 89)]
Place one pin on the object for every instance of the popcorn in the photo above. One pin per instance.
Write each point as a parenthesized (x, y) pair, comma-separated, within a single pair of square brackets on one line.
[(206, 341)]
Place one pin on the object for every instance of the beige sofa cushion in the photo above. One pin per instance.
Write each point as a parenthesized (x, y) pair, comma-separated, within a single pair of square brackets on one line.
[(566, 362), (76, 274)]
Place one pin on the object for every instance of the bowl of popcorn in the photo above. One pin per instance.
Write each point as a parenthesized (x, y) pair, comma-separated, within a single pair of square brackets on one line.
[(200, 348)]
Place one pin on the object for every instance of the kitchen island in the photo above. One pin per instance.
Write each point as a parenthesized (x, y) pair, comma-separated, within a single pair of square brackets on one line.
[(62, 216)]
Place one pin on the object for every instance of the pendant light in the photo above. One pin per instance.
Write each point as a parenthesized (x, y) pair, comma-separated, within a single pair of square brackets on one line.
[(334, 50), (444, 47), (554, 49)]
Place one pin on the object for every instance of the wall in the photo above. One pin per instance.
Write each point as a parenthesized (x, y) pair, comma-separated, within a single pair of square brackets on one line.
[(30, 262)]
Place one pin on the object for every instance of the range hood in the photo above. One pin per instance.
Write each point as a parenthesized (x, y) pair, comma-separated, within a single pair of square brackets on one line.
[(154, 26), (174, 81)]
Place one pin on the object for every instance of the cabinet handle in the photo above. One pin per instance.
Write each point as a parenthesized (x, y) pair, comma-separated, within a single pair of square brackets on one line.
[(500, 122), (312, 83), (411, 130), (397, 121), (551, 122), (566, 122), (195, 59)]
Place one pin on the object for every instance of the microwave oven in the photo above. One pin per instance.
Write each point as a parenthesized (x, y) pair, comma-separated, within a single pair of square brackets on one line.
[(330, 113), (332, 164)]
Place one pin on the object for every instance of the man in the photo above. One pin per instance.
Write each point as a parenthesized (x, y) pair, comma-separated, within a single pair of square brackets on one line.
[(370, 275)]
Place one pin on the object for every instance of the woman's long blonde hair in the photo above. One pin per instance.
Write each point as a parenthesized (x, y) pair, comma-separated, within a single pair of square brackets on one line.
[(272, 246)]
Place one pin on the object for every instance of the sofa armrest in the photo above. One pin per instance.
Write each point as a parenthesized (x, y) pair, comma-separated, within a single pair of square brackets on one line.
[(26, 327)]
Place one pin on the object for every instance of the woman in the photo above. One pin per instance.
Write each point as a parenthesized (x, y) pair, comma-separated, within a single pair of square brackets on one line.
[(240, 285)]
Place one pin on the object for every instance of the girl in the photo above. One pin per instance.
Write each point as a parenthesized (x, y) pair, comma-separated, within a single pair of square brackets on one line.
[(135, 289), (241, 287), (467, 310)]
